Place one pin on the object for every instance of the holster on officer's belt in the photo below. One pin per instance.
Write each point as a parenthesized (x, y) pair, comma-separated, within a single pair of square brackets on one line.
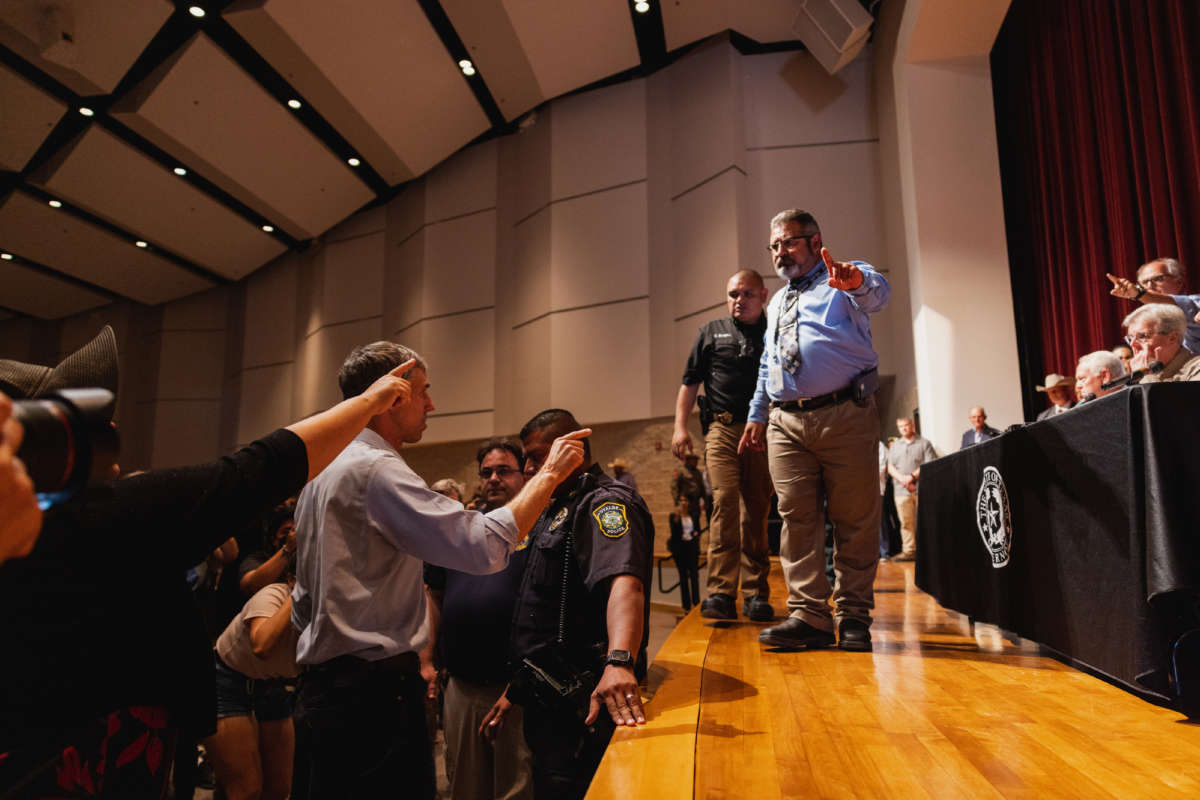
[(706, 413), (547, 678)]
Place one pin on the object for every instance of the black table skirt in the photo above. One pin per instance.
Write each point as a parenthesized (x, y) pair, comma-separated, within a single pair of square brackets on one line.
[(1103, 515)]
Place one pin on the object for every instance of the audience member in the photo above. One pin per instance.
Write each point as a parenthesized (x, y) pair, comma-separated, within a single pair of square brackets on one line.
[(814, 405), (684, 545), (1125, 353), (129, 663), (687, 482), (20, 516), (450, 488), (725, 360), (980, 430), (1155, 332), (621, 473), (1058, 391), (269, 563), (1163, 281), (252, 750), (585, 603), (363, 527), (1093, 371), (905, 457), (486, 755)]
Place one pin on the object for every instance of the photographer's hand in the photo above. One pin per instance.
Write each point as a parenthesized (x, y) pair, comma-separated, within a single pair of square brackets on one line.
[(20, 516)]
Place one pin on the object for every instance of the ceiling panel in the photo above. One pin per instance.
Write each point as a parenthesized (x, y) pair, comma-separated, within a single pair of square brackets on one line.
[(687, 21), (40, 295), (572, 43), (487, 32), (382, 68), (109, 178), (29, 116), (34, 230), (88, 45), (201, 107)]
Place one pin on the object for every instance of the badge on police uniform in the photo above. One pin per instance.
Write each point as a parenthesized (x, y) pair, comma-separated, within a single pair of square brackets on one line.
[(559, 518), (614, 523)]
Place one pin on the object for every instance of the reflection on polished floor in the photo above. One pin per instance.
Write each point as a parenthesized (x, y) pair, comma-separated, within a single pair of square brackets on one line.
[(940, 709)]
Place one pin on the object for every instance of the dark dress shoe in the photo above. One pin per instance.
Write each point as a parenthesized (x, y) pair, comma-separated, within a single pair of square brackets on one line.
[(718, 606), (795, 634), (758, 610), (854, 635)]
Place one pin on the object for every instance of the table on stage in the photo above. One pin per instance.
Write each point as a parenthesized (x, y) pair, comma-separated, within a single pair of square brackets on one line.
[(1078, 532)]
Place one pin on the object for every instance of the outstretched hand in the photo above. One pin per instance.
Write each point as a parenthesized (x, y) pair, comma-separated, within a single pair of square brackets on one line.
[(391, 389), (1122, 287), (566, 454), (842, 275)]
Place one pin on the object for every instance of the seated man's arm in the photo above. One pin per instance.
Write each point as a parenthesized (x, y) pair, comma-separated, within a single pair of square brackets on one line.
[(617, 690)]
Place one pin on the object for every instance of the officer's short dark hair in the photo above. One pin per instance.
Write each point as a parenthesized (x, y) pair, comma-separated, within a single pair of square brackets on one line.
[(501, 443), (802, 218), (370, 362), (555, 422)]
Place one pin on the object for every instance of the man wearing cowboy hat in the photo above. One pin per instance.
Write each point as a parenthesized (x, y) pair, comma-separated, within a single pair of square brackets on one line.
[(1058, 389), (621, 474)]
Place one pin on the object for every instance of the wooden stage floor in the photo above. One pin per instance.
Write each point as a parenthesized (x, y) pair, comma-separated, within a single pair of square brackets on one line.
[(937, 710)]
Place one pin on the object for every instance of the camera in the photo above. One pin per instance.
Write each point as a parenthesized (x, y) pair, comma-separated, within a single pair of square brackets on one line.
[(69, 441)]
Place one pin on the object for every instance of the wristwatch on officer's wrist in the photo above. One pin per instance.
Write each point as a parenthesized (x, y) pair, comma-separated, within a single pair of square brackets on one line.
[(619, 658)]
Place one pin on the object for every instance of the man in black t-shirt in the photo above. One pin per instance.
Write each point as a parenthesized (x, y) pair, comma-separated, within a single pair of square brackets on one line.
[(725, 360), (486, 755), (595, 540)]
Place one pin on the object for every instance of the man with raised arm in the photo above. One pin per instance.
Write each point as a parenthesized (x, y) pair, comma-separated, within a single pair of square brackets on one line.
[(363, 528), (814, 408)]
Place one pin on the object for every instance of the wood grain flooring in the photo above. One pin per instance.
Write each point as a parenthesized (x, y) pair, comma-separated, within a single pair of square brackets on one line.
[(940, 709)]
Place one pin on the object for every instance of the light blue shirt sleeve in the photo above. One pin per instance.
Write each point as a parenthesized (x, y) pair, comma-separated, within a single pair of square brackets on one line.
[(1189, 304), (434, 528)]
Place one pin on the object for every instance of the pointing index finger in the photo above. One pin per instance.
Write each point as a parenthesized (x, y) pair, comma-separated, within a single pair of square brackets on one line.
[(1115, 280), (403, 368), (582, 433), (828, 258)]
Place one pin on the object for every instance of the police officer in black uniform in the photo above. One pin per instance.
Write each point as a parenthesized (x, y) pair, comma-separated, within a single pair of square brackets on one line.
[(725, 360), (577, 664)]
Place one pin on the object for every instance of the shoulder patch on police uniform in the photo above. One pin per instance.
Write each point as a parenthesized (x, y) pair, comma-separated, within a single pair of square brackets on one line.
[(614, 522), (558, 519)]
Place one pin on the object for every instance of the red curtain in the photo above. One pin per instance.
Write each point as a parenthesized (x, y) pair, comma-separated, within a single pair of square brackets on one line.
[(1098, 113)]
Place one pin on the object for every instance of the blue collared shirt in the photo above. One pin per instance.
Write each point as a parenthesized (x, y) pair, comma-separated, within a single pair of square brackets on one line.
[(835, 339), (1190, 305)]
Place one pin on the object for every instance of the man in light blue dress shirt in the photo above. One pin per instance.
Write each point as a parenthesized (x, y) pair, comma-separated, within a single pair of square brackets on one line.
[(363, 528), (814, 409)]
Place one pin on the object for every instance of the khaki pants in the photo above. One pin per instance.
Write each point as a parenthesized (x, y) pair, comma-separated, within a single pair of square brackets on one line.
[(737, 535), (831, 453), (476, 767), (906, 509)]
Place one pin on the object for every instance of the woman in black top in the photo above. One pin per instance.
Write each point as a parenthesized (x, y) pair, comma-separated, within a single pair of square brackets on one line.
[(684, 545)]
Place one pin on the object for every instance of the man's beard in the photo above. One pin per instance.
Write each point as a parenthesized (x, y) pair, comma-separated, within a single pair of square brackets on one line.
[(788, 271)]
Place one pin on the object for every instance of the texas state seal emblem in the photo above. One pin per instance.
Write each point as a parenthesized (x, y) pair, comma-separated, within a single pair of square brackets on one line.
[(993, 517)]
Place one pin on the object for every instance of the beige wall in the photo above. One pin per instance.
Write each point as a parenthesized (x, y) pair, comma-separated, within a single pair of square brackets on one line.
[(571, 263)]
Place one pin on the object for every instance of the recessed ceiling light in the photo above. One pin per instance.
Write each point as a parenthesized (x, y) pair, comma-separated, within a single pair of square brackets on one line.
[(140, 243), (196, 11), (6, 256), (56, 204), (465, 63), (641, 7), (87, 112), (469, 71), (268, 228), (294, 103), (354, 162), (180, 171)]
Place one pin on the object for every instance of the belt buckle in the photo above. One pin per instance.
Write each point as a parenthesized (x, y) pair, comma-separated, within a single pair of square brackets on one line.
[(800, 403), (724, 417)]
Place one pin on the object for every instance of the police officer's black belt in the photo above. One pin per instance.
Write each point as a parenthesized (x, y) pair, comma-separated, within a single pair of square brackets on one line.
[(407, 662), (725, 418), (813, 403)]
